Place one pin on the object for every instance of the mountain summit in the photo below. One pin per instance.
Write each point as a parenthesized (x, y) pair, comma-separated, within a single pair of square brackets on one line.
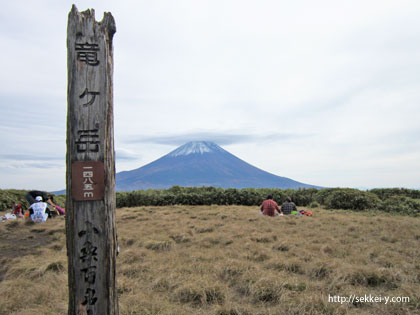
[(201, 163), (195, 147)]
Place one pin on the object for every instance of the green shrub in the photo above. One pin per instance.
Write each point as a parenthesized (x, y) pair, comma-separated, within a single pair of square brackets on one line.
[(322, 195), (402, 205), (9, 196), (385, 193), (302, 196), (314, 204), (351, 199)]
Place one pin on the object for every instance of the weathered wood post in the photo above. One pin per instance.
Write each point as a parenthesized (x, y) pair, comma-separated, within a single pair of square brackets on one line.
[(90, 203)]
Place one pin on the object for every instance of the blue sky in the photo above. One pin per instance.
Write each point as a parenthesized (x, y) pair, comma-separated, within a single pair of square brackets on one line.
[(323, 92)]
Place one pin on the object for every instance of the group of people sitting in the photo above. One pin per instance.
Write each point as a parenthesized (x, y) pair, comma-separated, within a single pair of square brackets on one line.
[(269, 207), (41, 207)]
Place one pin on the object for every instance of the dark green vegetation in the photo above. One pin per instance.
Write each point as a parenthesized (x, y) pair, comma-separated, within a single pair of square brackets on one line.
[(391, 200)]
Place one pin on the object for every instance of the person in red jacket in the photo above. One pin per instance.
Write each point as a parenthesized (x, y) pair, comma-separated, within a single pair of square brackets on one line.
[(269, 207), (18, 210)]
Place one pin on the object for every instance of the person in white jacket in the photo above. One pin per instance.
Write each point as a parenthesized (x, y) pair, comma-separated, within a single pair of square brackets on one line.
[(38, 210)]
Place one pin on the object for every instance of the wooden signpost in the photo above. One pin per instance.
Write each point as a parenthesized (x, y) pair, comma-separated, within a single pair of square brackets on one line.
[(90, 203)]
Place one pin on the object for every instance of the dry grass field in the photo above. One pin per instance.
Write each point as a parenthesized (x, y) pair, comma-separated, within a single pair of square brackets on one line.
[(226, 260)]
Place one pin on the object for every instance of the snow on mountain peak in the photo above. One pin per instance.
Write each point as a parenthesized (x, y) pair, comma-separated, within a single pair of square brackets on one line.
[(195, 147)]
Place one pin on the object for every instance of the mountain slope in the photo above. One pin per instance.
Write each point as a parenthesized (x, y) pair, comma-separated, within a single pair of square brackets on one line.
[(201, 163)]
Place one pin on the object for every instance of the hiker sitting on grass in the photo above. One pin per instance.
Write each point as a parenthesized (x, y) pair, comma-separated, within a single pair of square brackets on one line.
[(269, 207), (38, 211), (49, 199), (288, 206), (53, 207), (18, 210)]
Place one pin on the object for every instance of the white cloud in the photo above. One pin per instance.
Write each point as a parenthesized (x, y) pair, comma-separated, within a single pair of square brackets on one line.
[(341, 77)]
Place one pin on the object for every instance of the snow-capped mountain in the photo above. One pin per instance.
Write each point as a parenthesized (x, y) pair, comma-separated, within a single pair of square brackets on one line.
[(194, 147), (201, 163)]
